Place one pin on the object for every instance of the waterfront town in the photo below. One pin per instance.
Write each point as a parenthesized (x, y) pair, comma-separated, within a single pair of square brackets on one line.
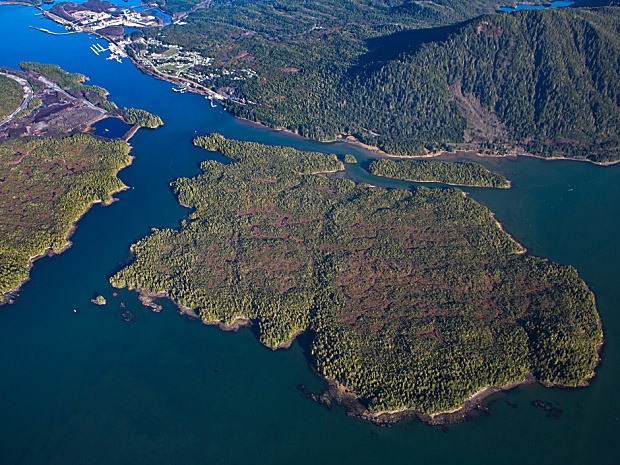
[(190, 70)]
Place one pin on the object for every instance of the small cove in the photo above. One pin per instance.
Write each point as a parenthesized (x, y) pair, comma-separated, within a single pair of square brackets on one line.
[(110, 128)]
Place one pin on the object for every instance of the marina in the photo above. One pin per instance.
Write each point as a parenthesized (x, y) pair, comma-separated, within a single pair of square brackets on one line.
[(98, 48)]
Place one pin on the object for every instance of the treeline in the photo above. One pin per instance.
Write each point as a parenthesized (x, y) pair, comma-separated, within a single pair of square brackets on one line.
[(344, 11), (11, 96), (462, 174), (411, 299), (141, 117), (47, 184), (72, 83)]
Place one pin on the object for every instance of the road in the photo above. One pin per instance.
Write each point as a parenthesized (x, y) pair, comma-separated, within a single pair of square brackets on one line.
[(28, 93), (57, 88)]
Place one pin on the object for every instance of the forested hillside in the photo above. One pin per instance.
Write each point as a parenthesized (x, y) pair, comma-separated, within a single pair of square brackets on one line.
[(303, 51), (11, 96), (444, 9), (409, 299), (546, 82)]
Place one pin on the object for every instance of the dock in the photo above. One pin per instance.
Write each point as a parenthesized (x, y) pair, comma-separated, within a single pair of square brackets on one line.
[(98, 48)]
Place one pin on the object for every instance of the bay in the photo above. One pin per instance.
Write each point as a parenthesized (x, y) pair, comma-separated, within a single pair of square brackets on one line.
[(84, 386)]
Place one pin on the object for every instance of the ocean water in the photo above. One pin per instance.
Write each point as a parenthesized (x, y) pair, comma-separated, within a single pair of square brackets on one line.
[(80, 385)]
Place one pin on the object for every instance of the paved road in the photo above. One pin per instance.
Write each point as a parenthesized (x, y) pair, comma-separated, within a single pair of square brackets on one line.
[(27, 97)]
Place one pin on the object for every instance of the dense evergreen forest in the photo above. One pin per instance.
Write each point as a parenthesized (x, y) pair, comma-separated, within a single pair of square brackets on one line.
[(461, 174), (46, 185), (546, 82), (409, 299), (141, 117), (11, 96), (73, 83), (444, 10), (543, 82)]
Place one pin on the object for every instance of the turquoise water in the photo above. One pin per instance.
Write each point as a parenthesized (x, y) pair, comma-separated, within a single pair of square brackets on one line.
[(86, 387)]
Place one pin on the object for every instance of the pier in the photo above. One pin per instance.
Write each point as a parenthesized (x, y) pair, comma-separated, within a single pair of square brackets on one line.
[(98, 48), (47, 31)]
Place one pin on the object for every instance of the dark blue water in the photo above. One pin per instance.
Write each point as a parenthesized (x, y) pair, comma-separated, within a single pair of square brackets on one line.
[(111, 128), (86, 387), (525, 6)]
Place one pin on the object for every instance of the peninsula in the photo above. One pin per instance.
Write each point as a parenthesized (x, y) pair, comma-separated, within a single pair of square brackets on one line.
[(408, 301), (51, 172), (456, 174)]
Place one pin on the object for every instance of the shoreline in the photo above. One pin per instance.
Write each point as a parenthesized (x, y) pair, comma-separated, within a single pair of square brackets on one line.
[(9, 296), (125, 137), (17, 2), (476, 401), (347, 138), (240, 321), (349, 400), (435, 181), (354, 141)]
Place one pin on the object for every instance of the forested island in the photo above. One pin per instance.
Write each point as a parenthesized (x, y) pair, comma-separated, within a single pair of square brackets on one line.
[(539, 82), (458, 174), (141, 117), (409, 301), (50, 171)]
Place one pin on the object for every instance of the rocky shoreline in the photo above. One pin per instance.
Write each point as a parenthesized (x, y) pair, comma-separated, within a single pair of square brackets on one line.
[(337, 394)]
